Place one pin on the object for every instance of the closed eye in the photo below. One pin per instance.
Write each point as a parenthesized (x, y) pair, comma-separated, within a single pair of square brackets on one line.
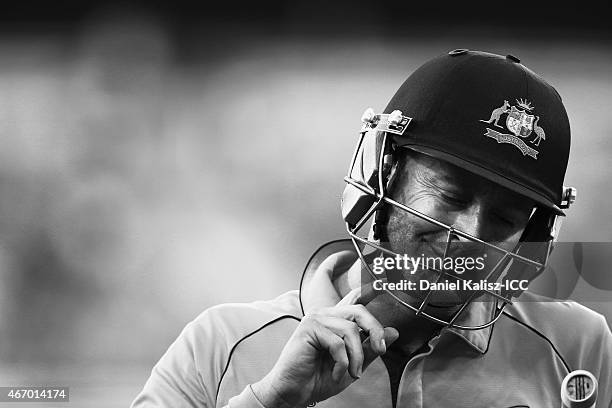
[(511, 222), (454, 200)]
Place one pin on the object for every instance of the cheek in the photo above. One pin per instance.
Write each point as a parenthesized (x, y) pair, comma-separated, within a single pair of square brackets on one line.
[(404, 229), (400, 230), (508, 244)]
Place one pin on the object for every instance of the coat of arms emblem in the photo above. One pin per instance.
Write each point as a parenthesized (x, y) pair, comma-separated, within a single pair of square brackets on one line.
[(521, 123)]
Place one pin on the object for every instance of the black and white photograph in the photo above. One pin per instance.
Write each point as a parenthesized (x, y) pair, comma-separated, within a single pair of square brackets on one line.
[(305, 204)]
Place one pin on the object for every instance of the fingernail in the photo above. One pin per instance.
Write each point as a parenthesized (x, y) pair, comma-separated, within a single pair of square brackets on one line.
[(359, 372), (383, 345)]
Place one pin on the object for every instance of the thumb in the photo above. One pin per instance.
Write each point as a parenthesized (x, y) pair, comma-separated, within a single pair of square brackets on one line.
[(369, 355)]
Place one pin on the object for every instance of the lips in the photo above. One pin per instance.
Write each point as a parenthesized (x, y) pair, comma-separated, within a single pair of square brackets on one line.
[(456, 249)]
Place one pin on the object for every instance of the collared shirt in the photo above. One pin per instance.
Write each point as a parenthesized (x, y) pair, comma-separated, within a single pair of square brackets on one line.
[(519, 362)]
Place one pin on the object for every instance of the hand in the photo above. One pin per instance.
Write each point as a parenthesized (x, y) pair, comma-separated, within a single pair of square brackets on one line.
[(325, 354)]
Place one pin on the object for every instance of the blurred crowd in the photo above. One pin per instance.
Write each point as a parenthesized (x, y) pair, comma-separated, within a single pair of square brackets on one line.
[(142, 181)]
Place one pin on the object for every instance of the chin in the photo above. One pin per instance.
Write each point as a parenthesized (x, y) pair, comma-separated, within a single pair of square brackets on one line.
[(446, 299)]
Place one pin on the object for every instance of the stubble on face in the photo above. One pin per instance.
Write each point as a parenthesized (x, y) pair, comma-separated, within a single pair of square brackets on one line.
[(407, 234), (420, 182)]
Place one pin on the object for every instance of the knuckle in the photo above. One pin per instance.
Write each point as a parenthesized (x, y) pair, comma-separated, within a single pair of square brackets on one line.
[(337, 344), (342, 358), (353, 328), (361, 309)]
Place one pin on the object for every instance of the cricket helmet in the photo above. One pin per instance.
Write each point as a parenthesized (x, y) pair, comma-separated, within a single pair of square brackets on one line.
[(487, 114)]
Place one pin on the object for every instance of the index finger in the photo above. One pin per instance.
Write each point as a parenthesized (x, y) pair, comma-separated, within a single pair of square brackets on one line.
[(361, 295), (326, 295)]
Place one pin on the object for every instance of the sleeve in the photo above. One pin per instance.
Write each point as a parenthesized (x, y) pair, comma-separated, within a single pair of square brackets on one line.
[(246, 399), (188, 374), (175, 380)]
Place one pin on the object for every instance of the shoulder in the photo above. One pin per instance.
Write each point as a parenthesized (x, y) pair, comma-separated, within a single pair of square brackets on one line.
[(576, 332), (190, 371), (206, 344), (233, 321), (554, 316), (240, 336)]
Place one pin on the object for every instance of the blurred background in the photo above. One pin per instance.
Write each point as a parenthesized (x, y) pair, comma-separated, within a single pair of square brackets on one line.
[(159, 159)]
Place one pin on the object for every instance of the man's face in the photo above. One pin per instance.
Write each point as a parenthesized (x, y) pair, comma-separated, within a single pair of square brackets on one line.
[(455, 197)]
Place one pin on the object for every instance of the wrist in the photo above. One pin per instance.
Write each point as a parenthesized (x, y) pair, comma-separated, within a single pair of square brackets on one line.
[(270, 396)]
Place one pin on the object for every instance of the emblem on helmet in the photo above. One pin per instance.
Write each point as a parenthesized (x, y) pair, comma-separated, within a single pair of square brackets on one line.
[(520, 123), (393, 122)]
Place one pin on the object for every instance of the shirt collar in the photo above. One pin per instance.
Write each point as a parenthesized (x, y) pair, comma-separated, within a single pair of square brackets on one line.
[(475, 314), (317, 290)]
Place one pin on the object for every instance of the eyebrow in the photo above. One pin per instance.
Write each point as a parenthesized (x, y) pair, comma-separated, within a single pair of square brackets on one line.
[(455, 180), (444, 174)]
